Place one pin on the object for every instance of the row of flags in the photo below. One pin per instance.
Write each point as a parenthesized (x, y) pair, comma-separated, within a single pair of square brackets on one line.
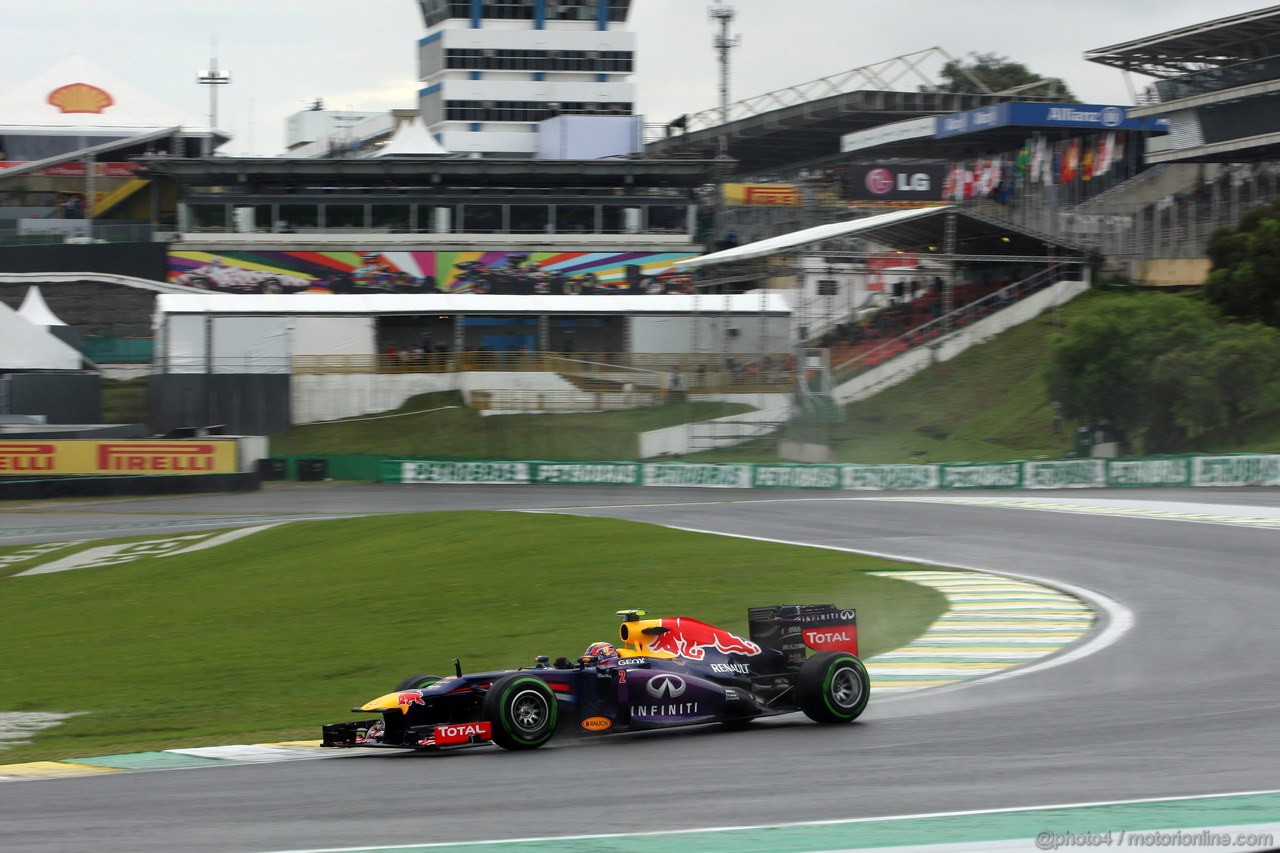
[(1039, 161)]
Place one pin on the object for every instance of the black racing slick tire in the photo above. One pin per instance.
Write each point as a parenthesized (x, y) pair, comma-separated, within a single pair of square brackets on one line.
[(833, 687), (417, 682), (522, 710)]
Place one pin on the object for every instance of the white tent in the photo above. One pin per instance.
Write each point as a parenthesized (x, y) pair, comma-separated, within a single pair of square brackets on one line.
[(411, 139), (77, 95), (26, 347), (36, 311)]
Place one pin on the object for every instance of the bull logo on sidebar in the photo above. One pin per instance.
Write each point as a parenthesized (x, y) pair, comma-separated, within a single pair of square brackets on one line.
[(665, 686), (688, 637)]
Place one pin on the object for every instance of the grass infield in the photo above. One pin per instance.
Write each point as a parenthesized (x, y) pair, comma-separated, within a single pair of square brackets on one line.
[(268, 637)]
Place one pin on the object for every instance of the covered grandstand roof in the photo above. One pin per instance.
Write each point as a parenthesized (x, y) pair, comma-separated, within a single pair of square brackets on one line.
[(1212, 44), (812, 130), (407, 171), (385, 304), (921, 231)]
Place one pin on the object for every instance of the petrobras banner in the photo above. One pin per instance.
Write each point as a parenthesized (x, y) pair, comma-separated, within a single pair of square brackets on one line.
[(464, 472), (122, 456), (587, 473), (877, 477), (1148, 472), (1072, 474), (895, 182), (763, 195), (796, 477), (714, 476), (998, 475), (1236, 471), (1087, 116), (1241, 470)]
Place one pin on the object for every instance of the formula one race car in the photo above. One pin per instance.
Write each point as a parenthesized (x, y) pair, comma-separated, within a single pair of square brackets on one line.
[(666, 672), (218, 276)]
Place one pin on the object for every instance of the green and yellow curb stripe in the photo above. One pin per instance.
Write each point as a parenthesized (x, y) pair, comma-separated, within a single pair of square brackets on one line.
[(169, 759), (992, 624)]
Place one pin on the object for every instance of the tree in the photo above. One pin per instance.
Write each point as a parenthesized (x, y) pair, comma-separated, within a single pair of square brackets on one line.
[(1164, 368), (997, 73), (1244, 276)]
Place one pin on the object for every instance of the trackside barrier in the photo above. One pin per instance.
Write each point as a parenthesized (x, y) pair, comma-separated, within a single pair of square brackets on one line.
[(1190, 470)]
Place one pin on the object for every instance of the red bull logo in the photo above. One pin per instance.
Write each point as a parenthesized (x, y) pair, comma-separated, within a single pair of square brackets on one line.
[(404, 700), (689, 638)]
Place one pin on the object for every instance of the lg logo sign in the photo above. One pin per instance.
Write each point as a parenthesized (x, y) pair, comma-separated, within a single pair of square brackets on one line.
[(883, 181), (880, 181)]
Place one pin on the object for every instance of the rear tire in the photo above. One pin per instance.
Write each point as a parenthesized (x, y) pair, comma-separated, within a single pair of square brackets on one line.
[(833, 687), (417, 682), (522, 710)]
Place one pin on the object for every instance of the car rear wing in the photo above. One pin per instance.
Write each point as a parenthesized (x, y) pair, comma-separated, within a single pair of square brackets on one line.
[(794, 628)]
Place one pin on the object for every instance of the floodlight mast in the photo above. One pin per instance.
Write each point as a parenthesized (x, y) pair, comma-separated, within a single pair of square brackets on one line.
[(213, 77), (724, 43)]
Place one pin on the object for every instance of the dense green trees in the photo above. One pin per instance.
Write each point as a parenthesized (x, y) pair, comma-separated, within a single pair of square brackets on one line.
[(1165, 368), (997, 73), (1244, 282)]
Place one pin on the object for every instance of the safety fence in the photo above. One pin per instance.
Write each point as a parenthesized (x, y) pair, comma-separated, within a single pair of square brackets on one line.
[(1189, 470)]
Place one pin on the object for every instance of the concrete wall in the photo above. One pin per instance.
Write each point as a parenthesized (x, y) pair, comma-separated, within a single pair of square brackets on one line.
[(1171, 272), (771, 409), (328, 397)]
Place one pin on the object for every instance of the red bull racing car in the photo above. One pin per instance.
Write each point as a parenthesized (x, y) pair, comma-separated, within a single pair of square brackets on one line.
[(665, 672)]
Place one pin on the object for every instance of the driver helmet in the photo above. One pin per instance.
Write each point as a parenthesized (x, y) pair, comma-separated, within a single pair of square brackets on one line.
[(601, 651)]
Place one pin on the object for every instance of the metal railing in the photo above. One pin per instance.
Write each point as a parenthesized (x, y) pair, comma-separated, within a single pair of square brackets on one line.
[(922, 335)]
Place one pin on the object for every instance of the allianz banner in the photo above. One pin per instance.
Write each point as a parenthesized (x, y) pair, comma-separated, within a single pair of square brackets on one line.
[(36, 458)]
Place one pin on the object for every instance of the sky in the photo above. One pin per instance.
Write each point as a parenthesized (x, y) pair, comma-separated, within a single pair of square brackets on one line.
[(361, 54)]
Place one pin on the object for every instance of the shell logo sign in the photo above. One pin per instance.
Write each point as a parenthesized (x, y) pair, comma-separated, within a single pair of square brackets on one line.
[(118, 457), (80, 98)]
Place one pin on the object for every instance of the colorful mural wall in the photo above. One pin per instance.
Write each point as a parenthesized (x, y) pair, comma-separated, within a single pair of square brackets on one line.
[(431, 272)]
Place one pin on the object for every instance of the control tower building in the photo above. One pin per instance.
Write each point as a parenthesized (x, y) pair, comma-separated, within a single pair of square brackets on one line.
[(491, 70)]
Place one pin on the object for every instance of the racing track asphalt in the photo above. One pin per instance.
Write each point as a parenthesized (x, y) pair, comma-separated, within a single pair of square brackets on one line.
[(1184, 703)]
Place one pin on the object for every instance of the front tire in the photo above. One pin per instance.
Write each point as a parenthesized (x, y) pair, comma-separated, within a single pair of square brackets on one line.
[(417, 682), (522, 710), (833, 687)]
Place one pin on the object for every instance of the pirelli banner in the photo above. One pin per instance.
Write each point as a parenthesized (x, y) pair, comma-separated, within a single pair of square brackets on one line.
[(763, 195), (122, 456)]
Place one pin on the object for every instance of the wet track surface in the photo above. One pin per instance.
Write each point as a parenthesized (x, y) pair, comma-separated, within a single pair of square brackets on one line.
[(1184, 703)]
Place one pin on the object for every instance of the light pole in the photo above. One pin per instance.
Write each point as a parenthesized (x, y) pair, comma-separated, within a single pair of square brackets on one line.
[(213, 77)]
